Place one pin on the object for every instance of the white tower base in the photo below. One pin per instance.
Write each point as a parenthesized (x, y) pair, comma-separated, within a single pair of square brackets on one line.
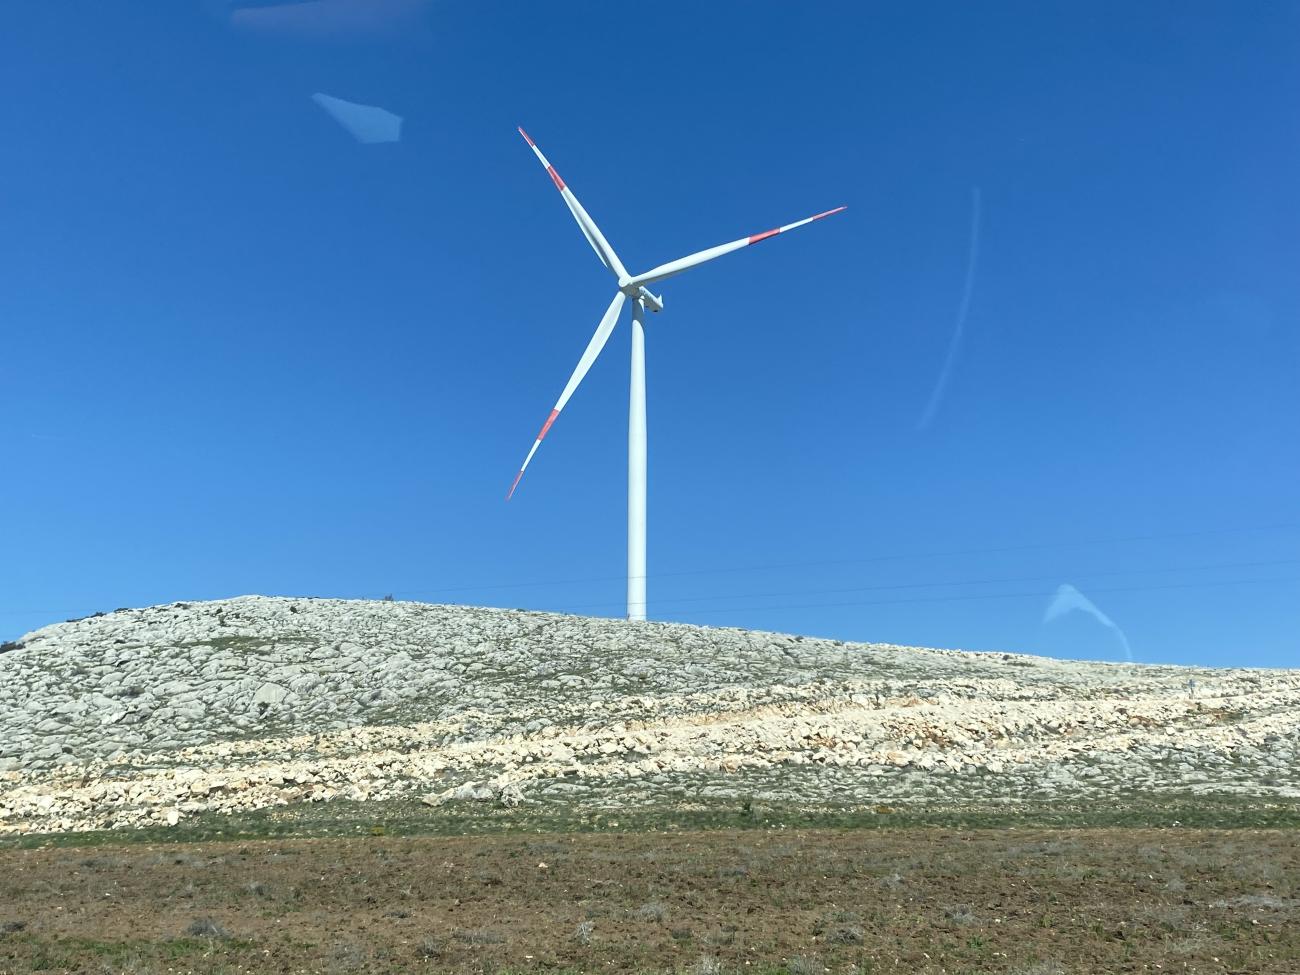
[(636, 470)]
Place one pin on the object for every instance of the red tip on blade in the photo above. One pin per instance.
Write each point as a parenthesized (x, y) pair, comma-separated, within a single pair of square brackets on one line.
[(764, 235), (555, 177), (547, 425), (829, 212), (511, 492), (525, 135)]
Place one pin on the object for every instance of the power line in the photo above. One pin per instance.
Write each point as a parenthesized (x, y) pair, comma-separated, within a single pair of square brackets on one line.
[(1038, 594), (955, 582), (965, 597), (722, 570), (872, 559)]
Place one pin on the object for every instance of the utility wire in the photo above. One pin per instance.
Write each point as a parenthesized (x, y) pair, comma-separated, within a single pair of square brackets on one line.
[(873, 559), (1037, 594), (955, 582), (722, 570)]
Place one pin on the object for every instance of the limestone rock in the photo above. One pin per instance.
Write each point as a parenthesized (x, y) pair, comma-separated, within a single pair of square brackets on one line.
[(150, 715)]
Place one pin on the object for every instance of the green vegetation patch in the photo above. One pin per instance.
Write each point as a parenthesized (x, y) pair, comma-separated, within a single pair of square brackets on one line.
[(343, 818)]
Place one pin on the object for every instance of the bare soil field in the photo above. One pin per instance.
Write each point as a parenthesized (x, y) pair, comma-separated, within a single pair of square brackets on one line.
[(798, 900)]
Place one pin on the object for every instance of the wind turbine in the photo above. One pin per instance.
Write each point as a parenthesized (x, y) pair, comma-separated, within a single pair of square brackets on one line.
[(633, 287)]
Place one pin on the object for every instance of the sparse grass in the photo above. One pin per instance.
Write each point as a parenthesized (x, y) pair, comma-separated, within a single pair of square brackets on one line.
[(804, 965), (845, 934), (206, 927), (430, 947), (348, 957), (812, 903), (133, 957), (653, 911), (960, 914), (481, 936), (343, 818), (832, 918), (840, 928), (1259, 901), (720, 937)]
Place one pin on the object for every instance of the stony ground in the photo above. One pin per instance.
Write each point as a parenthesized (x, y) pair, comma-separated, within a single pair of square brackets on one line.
[(798, 902), (157, 716)]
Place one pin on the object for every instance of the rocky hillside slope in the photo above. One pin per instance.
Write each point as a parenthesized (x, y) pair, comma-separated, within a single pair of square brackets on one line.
[(154, 715)]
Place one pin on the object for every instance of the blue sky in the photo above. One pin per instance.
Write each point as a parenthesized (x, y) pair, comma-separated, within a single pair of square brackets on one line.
[(245, 353)]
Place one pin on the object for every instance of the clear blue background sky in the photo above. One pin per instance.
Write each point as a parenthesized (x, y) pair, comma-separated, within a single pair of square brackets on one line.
[(244, 353)]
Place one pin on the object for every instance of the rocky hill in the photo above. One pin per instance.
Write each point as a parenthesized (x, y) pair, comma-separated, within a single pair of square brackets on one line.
[(150, 716)]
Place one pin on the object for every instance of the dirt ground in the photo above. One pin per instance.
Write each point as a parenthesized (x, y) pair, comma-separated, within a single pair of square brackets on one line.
[(1032, 901)]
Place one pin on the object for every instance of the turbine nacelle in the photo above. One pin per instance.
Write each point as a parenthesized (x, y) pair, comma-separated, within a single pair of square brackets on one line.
[(654, 302), (636, 292)]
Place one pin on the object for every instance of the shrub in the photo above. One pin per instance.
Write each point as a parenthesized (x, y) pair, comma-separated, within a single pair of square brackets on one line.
[(206, 927), (960, 914), (429, 947), (653, 911), (830, 920), (847, 935), (348, 958), (480, 936)]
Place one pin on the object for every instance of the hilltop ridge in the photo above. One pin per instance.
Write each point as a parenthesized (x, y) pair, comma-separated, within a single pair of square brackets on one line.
[(150, 716)]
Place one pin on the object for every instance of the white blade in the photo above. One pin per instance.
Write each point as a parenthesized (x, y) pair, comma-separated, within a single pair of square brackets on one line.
[(683, 263), (588, 226), (597, 343)]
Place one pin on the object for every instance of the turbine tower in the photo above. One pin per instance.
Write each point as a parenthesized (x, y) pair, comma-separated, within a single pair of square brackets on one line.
[(634, 288)]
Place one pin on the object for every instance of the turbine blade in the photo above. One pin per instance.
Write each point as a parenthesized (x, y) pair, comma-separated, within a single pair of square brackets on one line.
[(700, 257), (597, 343), (588, 226)]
